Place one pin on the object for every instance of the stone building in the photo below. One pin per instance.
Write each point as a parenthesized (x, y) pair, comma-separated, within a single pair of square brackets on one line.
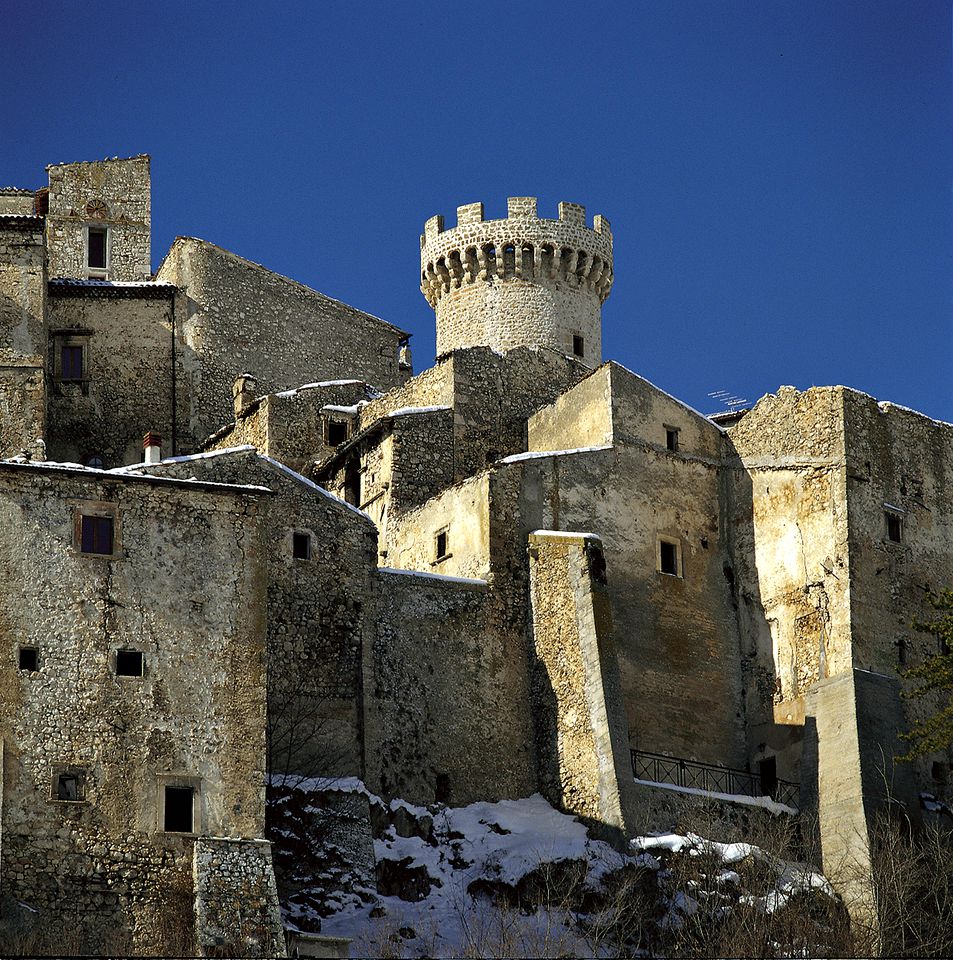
[(523, 569)]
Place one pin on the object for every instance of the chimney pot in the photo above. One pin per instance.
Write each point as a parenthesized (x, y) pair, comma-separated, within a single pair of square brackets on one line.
[(152, 444)]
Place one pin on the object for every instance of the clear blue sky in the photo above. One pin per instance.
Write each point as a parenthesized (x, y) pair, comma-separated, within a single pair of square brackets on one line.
[(777, 174)]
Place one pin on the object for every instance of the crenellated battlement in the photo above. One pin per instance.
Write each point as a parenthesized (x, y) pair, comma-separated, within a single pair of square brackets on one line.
[(523, 246)]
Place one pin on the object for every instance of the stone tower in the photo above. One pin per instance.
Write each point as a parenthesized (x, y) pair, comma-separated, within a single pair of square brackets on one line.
[(522, 281)]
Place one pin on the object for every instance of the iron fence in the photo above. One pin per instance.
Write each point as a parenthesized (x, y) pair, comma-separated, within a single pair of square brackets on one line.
[(659, 768)]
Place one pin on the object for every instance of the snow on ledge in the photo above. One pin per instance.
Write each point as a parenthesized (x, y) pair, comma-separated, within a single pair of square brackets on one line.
[(539, 454), (404, 411), (313, 486), (473, 581), (566, 534), (766, 803), (187, 458)]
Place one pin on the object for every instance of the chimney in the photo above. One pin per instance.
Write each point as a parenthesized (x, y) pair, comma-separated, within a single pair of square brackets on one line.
[(152, 444), (244, 390)]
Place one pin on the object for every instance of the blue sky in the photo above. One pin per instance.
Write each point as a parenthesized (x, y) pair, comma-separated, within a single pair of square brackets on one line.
[(777, 174)]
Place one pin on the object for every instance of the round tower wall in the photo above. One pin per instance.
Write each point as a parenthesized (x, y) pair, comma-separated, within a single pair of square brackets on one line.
[(522, 281)]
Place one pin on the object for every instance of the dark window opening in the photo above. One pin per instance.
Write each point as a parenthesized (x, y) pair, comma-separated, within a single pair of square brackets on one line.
[(97, 535), (95, 461), (441, 544), (352, 483), (939, 771), (97, 249), (442, 792), (336, 433), (179, 802), (71, 362), (301, 546), (942, 645), (668, 558), (671, 438), (768, 772), (902, 652), (578, 346), (129, 663), (894, 527), (29, 659), (69, 786)]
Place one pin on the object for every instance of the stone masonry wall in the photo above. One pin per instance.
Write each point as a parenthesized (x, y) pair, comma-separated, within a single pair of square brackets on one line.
[(115, 194), (582, 739), (186, 588), (236, 900), (244, 318), (447, 695), (128, 376), (22, 334)]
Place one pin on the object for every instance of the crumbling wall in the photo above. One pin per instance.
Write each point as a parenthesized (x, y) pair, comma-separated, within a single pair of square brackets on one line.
[(582, 740), (22, 334), (447, 695), (245, 318), (115, 194), (186, 588)]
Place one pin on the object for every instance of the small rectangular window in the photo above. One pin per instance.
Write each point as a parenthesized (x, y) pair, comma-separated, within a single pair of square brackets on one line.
[(69, 785), (668, 558), (129, 663), (894, 526), (71, 362), (441, 545), (336, 432), (578, 346), (301, 545), (96, 535), (179, 804), (671, 438), (29, 659), (96, 259)]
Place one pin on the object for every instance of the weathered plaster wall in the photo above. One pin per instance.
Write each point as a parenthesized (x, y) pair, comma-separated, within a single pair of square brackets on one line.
[(447, 695), (581, 417), (787, 495), (128, 348), (186, 588), (582, 739), (115, 194), (22, 333), (244, 318)]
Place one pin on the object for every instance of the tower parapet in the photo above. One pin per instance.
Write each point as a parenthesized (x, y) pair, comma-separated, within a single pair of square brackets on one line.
[(522, 281)]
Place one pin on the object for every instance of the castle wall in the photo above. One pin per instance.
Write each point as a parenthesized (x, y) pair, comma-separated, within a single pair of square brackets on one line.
[(448, 695), (22, 334), (319, 617), (898, 462), (115, 194), (244, 318), (127, 377), (581, 417), (185, 587), (16, 201), (787, 497)]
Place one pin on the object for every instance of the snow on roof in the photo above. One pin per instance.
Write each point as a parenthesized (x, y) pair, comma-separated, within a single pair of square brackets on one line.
[(766, 803), (404, 411), (537, 454), (326, 383), (188, 457), (886, 406), (313, 486), (473, 581), (80, 282)]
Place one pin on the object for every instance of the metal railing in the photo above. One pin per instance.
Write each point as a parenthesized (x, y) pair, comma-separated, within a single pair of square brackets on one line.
[(659, 768)]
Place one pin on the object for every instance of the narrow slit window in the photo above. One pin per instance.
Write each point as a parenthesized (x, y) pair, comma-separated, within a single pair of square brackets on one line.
[(71, 361), (442, 545), (578, 346), (29, 659), (96, 536), (129, 663), (301, 545), (179, 810), (671, 439), (96, 254), (668, 558), (894, 527)]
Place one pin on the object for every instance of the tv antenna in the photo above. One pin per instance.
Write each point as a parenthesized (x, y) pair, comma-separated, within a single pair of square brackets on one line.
[(731, 402)]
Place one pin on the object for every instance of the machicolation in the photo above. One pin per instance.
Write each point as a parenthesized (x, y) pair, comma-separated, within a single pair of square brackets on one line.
[(521, 281)]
